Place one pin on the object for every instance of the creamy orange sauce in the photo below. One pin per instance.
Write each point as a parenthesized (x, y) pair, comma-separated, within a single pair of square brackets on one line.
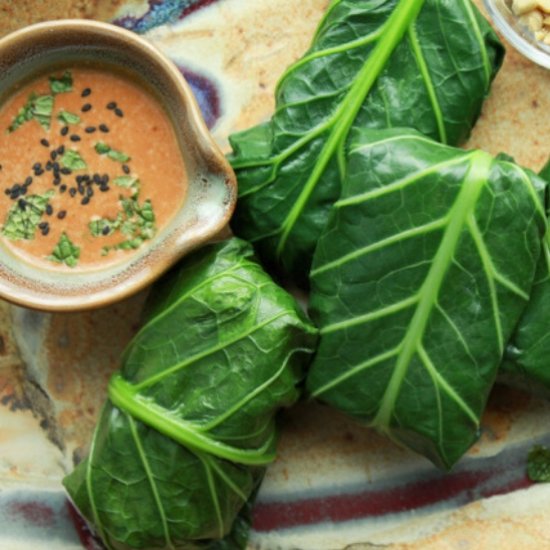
[(138, 127)]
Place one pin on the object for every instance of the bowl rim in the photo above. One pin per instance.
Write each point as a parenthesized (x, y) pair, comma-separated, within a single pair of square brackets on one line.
[(139, 278), (524, 46)]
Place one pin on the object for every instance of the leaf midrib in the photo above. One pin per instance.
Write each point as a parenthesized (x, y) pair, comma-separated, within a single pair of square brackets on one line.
[(144, 409), (394, 29), (462, 208)]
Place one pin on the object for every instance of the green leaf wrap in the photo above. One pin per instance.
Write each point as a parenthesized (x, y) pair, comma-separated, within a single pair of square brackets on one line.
[(423, 64), (527, 360), (183, 442), (418, 281)]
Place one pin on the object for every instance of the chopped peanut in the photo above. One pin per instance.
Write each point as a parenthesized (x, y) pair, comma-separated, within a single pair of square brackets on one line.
[(520, 7)]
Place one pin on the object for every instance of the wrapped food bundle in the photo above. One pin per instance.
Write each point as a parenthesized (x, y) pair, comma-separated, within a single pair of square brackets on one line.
[(189, 427)]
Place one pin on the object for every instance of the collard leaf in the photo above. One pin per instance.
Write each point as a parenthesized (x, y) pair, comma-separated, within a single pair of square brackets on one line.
[(526, 362), (426, 64), (418, 281), (184, 440)]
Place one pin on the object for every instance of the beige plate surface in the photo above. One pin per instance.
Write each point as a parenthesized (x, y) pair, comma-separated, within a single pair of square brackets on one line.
[(48, 406)]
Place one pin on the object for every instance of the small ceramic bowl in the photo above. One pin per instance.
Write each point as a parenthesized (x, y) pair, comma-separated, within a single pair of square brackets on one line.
[(211, 193), (519, 35)]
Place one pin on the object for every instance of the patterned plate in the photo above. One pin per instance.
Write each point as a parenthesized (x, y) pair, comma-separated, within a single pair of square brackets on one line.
[(335, 485)]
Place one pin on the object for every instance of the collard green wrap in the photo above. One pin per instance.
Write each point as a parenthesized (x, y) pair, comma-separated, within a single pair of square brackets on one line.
[(423, 64), (189, 427), (527, 359), (418, 281)]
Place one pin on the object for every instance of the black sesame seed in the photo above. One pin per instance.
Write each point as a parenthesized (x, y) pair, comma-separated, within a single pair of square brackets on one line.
[(106, 230), (89, 192), (44, 142), (42, 225), (28, 181), (14, 194), (104, 188), (49, 209), (66, 171), (72, 191), (56, 166), (81, 190), (23, 191), (36, 166), (49, 165), (46, 230), (61, 214), (104, 128), (62, 188), (85, 200), (60, 149), (56, 180), (111, 105), (86, 92), (119, 112), (125, 168), (90, 129), (39, 172), (105, 178), (97, 178), (64, 130), (22, 204), (75, 137), (53, 155), (86, 107), (79, 179)]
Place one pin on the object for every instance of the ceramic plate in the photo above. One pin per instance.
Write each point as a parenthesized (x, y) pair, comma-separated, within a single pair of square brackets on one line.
[(335, 485)]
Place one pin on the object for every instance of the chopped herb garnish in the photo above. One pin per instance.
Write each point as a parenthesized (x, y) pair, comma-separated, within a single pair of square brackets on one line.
[(68, 118), (65, 252), (23, 219), (105, 226), (128, 182), (135, 221), (62, 84), (24, 114), (118, 156), (42, 108), (102, 148), (37, 107), (73, 161)]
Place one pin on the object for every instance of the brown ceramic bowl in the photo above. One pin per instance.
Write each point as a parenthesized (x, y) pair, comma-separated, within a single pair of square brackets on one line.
[(211, 193)]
